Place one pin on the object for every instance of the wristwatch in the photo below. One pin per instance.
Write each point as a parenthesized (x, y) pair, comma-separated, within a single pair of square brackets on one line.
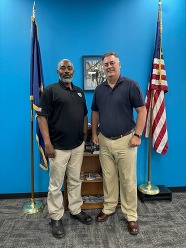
[(137, 135)]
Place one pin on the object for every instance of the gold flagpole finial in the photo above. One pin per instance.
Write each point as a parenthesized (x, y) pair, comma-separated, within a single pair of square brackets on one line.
[(160, 4), (34, 10)]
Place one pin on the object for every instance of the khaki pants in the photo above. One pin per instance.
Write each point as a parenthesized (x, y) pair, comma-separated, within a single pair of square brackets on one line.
[(69, 162), (118, 163)]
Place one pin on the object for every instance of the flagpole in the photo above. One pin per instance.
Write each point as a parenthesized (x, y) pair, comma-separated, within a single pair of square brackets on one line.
[(149, 188), (33, 206)]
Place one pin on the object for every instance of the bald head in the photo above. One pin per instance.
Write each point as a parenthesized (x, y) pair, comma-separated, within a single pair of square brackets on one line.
[(62, 62)]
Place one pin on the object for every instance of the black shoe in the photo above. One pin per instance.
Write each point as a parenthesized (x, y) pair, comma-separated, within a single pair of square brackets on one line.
[(82, 217), (57, 228)]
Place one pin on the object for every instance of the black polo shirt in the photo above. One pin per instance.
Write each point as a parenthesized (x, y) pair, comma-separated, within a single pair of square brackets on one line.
[(115, 106), (64, 110)]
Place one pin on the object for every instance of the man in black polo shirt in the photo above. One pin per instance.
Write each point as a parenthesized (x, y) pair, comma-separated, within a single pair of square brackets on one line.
[(119, 137), (62, 119)]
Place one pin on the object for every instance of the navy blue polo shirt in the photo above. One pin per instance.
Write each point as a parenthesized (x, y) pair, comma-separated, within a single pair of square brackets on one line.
[(115, 106), (64, 110)]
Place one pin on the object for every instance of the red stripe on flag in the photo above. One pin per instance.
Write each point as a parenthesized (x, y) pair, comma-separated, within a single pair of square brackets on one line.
[(157, 77), (156, 66), (159, 139)]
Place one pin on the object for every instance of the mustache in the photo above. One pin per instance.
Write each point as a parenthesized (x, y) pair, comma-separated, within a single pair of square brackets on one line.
[(67, 76)]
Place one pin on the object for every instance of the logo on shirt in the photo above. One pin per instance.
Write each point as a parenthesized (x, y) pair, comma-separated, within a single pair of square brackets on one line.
[(79, 94)]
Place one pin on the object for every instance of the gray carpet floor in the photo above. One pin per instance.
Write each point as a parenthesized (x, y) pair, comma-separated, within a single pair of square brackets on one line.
[(162, 225)]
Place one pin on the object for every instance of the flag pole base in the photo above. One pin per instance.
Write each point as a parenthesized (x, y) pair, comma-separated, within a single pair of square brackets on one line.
[(148, 189), (33, 207), (164, 194)]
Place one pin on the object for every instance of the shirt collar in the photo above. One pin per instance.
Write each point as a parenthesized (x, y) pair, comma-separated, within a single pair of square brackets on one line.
[(64, 86), (118, 81)]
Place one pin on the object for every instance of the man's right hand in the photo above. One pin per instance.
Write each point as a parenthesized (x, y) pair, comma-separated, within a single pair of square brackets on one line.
[(49, 150), (95, 139)]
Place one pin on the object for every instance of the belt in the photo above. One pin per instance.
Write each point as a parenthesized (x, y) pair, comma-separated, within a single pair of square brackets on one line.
[(122, 135)]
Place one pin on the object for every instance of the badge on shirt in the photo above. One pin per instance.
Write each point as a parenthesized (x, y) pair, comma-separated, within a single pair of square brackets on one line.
[(79, 94)]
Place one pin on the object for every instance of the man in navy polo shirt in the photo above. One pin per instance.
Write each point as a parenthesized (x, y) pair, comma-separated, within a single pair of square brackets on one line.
[(119, 137), (62, 119)]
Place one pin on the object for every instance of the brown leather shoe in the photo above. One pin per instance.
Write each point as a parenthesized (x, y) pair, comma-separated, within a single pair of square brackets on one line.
[(102, 217), (133, 227)]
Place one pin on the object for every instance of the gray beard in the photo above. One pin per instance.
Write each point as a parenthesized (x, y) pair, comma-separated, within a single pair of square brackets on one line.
[(66, 80)]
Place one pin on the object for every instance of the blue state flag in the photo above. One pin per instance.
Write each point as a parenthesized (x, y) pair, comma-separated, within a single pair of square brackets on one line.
[(37, 86)]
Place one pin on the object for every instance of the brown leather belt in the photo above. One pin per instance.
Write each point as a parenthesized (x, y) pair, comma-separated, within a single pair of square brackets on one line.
[(122, 135)]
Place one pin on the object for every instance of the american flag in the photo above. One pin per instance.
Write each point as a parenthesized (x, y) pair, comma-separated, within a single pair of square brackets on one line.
[(156, 126)]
